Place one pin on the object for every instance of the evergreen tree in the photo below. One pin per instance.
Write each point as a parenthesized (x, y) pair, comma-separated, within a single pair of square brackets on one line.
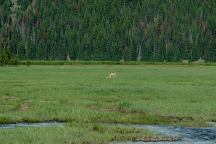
[(156, 30), (5, 56)]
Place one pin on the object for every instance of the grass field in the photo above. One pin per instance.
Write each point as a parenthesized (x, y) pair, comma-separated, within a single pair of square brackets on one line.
[(83, 97)]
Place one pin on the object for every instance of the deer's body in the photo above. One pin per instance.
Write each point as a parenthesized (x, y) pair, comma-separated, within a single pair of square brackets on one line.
[(111, 75), (185, 61), (199, 61)]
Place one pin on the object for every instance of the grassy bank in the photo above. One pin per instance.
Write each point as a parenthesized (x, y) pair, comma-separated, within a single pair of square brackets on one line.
[(41, 62), (144, 94)]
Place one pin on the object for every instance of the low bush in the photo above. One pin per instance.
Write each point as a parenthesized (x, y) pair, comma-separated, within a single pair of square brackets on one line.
[(15, 61)]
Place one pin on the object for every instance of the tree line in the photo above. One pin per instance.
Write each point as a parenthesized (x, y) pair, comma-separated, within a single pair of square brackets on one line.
[(130, 30)]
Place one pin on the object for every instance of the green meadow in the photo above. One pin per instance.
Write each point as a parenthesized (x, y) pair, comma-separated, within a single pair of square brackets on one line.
[(90, 104)]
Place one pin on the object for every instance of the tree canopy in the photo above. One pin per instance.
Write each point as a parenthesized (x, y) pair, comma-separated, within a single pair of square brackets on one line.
[(154, 30)]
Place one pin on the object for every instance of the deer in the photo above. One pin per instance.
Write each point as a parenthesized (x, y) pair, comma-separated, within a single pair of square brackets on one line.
[(199, 61), (185, 61), (111, 75)]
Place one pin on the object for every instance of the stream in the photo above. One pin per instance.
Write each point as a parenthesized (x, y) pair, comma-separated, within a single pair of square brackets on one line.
[(43, 124), (187, 135)]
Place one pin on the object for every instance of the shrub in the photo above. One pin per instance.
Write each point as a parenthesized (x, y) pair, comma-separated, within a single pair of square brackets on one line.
[(28, 63), (4, 59), (15, 61)]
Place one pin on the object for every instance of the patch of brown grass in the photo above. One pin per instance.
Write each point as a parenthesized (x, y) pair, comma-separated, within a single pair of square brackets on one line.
[(23, 107), (9, 98)]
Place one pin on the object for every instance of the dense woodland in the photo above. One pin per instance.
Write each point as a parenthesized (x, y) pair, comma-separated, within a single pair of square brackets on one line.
[(154, 30)]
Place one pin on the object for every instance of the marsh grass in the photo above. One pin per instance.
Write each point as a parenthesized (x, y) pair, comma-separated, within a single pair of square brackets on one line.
[(141, 94), (75, 133)]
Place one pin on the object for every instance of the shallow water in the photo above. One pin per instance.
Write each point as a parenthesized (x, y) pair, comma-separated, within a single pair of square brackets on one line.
[(43, 124), (186, 134), (180, 142)]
